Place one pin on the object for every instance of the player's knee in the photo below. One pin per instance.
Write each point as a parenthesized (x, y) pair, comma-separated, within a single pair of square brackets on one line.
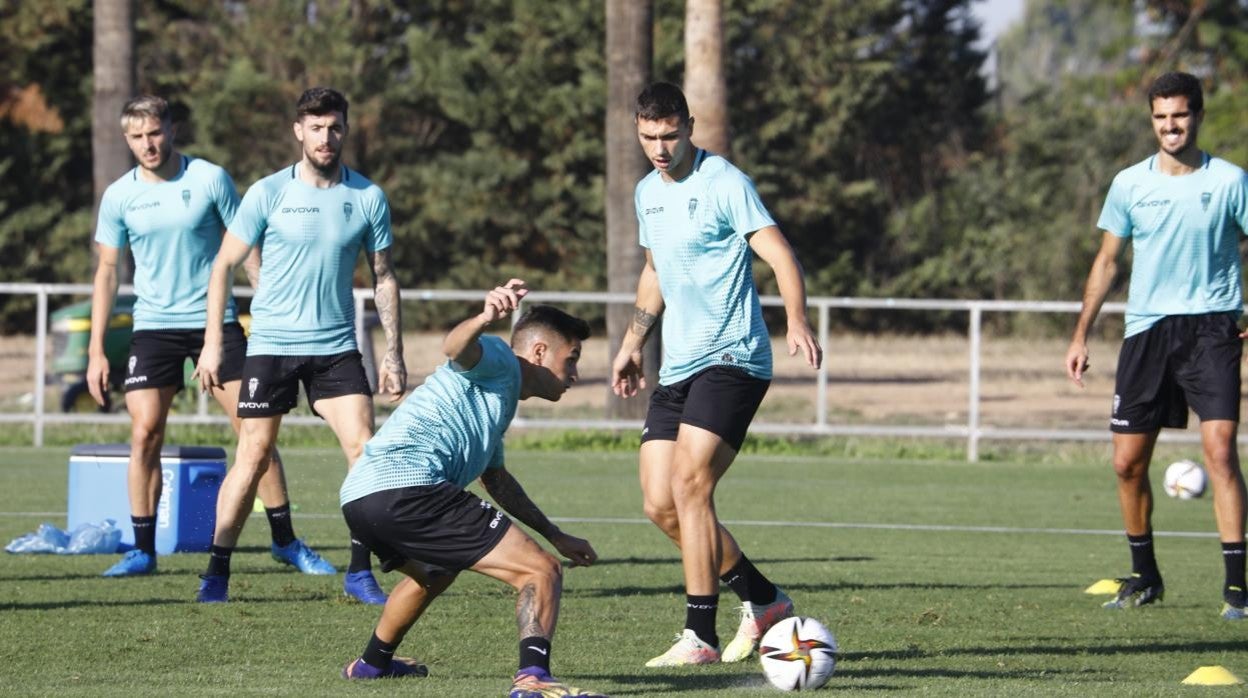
[(692, 486), (545, 572), (146, 438), (1129, 469), (663, 515)]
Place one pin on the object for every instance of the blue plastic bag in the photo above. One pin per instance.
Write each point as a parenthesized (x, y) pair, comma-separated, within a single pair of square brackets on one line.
[(88, 538)]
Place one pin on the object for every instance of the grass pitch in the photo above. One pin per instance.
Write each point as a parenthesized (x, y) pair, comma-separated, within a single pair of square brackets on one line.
[(942, 578)]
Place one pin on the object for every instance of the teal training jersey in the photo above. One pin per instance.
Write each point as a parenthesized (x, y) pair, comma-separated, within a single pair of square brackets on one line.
[(697, 231), (1184, 233), (173, 229), (310, 240), (450, 429)]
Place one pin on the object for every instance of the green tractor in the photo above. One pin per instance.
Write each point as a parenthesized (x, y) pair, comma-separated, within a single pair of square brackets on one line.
[(71, 332)]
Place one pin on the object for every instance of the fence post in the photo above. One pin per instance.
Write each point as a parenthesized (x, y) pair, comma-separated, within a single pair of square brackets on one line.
[(821, 402), (41, 353), (972, 408)]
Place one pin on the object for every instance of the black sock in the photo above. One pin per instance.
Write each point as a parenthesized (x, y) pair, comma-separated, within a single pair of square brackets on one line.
[(749, 584), (144, 533), (279, 523), (700, 617), (360, 560), (378, 654), (535, 651), (1233, 558), (219, 562), (1143, 561)]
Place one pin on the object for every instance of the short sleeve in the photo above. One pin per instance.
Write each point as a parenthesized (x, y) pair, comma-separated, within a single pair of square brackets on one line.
[(1116, 213), (1238, 200), (739, 205), (224, 196), (110, 227), (643, 235), (379, 234), (496, 360), (252, 217)]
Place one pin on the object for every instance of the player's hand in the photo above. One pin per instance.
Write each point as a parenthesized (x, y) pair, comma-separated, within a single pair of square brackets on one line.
[(392, 379), (208, 370), (577, 550), (97, 378), (801, 338), (504, 300), (1077, 362), (627, 375)]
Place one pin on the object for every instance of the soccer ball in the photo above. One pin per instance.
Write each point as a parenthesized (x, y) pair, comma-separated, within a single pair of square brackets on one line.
[(798, 654), (1185, 479)]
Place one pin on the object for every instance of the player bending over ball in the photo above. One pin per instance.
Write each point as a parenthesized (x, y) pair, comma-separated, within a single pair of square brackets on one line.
[(405, 497)]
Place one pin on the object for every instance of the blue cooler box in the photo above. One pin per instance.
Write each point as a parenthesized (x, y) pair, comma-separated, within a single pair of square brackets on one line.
[(187, 511)]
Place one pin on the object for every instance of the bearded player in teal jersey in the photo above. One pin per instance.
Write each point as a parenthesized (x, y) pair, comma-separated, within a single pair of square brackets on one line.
[(702, 223), (406, 499), (1184, 212), (171, 211), (311, 220)]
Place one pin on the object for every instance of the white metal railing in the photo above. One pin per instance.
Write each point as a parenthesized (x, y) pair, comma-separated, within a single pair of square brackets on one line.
[(972, 431)]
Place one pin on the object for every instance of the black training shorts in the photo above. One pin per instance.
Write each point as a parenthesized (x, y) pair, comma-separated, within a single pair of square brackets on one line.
[(158, 357), (1181, 360), (271, 383), (440, 525), (720, 399)]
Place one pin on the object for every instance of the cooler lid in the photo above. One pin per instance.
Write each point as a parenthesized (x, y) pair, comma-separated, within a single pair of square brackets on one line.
[(123, 451)]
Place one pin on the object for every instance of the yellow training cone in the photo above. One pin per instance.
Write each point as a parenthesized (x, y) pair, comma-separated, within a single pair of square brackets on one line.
[(1212, 676), (1104, 586)]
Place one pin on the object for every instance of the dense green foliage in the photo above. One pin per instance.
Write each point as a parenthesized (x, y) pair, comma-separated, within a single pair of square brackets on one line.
[(867, 125)]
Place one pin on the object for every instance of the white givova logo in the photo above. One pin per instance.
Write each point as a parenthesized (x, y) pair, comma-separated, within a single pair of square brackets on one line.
[(251, 388), (133, 360)]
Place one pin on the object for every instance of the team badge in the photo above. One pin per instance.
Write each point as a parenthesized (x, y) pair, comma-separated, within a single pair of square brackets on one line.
[(346, 210), (1205, 198), (186, 198), (133, 360), (1117, 400), (251, 388), (693, 206)]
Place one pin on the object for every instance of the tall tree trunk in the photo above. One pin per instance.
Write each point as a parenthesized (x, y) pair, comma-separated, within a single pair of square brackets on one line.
[(113, 84), (706, 88), (630, 42)]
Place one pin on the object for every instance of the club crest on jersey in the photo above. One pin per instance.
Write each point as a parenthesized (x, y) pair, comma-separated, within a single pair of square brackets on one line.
[(133, 360), (693, 206), (1117, 401), (186, 198), (1205, 198), (251, 388), (346, 210)]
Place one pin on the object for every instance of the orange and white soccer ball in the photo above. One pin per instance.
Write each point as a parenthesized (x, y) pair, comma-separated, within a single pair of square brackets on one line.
[(798, 654), (1185, 479)]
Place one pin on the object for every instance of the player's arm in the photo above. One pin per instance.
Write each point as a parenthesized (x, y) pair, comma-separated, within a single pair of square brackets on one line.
[(1100, 278), (392, 379), (774, 249), (251, 266), (627, 373), (460, 345), (103, 293), (511, 497), (232, 253)]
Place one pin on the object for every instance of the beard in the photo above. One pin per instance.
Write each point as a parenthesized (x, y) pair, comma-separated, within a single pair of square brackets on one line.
[(329, 169)]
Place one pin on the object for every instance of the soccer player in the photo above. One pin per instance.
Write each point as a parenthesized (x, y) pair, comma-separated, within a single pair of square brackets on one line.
[(405, 497), (311, 220), (1183, 211), (702, 223), (170, 210)]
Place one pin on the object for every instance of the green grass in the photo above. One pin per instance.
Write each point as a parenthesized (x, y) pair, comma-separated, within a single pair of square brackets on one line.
[(941, 612)]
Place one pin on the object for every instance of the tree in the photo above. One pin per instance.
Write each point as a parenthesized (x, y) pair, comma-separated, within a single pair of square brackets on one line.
[(629, 51), (113, 72), (706, 87)]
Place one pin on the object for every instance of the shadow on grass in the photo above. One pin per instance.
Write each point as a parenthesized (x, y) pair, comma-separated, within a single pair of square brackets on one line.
[(189, 600), (673, 560), (1040, 649), (797, 587)]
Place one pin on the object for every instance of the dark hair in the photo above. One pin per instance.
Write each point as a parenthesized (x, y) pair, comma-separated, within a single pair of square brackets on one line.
[(550, 318), (1178, 85), (145, 107), (661, 100), (319, 101)]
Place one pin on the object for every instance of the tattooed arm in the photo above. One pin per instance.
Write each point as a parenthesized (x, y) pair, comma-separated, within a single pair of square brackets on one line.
[(392, 376), (510, 496), (627, 375)]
